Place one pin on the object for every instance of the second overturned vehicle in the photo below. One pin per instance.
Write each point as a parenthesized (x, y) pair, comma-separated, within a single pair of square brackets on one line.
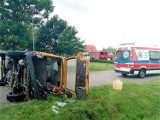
[(38, 74)]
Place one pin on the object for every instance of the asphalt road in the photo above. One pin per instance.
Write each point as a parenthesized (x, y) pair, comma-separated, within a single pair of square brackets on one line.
[(3, 92), (97, 78)]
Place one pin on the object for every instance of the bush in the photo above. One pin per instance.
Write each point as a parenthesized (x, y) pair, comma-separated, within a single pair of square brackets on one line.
[(103, 61)]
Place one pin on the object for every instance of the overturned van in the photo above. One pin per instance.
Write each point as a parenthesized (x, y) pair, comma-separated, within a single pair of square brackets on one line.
[(39, 74)]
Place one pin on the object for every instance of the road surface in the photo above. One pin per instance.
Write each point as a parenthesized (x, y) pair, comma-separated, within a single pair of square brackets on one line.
[(96, 79), (107, 77), (3, 92)]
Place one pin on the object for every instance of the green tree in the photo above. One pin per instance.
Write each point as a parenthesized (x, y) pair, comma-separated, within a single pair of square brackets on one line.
[(24, 10), (68, 43), (14, 36), (48, 34), (58, 38), (111, 49), (16, 18)]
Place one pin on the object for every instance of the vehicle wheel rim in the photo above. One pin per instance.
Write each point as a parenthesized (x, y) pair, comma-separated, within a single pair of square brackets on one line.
[(142, 74)]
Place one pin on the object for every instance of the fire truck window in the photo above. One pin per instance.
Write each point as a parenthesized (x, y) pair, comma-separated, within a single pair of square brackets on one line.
[(102, 53), (110, 52)]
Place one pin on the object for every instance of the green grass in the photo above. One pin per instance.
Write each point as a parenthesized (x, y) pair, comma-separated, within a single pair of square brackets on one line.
[(98, 66), (134, 102)]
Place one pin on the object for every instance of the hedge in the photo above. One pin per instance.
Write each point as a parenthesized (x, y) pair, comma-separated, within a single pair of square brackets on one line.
[(103, 61)]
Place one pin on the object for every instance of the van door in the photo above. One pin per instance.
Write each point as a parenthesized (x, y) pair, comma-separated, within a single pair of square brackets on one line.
[(76, 75), (154, 57)]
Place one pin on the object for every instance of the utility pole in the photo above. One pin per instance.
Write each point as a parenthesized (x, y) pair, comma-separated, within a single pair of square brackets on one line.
[(33, 39)]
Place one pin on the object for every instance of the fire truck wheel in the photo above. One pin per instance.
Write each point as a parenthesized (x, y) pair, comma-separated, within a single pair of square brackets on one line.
[(142, 73)]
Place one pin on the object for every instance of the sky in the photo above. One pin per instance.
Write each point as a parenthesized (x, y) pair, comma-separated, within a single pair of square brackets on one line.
[(105, 23)]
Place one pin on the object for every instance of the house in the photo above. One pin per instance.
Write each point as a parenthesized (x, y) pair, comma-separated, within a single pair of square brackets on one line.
[(91, 48)]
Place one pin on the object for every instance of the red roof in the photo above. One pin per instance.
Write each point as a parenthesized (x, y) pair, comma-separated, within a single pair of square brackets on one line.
[(91, 48)]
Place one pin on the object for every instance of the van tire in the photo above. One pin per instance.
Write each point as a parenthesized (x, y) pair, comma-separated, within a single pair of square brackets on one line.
[(16, 54), (142, 73), (3, 54), (123, 74), (2, 83), (16, 97)]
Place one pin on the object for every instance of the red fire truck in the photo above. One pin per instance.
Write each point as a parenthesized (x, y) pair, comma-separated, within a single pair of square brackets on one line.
[(103, 54)]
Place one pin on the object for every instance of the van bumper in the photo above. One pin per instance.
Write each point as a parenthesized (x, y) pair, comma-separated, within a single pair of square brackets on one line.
[(124, 70)]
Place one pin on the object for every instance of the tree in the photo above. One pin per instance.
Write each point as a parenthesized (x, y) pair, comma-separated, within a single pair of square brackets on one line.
[(48, 34), (58, 38), (24, 10), (68, 43), (16, 18), (14, 36), (111, 49)]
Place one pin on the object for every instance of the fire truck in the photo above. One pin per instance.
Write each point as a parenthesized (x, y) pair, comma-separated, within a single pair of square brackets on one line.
[(103, 54), (135, 59)]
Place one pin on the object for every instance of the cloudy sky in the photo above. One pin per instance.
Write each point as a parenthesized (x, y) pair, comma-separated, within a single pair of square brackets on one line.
[(106, 23)]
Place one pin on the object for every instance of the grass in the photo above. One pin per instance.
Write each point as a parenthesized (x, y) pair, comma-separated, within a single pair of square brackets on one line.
[(98, 66), (134, 102)]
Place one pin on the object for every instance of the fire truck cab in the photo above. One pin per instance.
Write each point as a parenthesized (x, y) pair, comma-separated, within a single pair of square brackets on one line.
[(103, 54)]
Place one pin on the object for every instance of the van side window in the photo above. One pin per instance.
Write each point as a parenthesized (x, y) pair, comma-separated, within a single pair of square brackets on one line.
[(154, 55)]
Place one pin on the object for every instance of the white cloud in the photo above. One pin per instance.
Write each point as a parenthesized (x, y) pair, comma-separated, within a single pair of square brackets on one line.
[(111, 22)]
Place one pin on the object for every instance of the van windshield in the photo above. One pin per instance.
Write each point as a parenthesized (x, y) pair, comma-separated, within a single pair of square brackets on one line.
[(123, 54)]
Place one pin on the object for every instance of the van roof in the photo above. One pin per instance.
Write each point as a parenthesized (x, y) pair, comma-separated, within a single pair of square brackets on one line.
[(138, 45)]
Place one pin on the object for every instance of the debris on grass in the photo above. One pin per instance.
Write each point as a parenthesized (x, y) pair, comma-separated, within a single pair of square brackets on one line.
[(55, 109), (61, 104)]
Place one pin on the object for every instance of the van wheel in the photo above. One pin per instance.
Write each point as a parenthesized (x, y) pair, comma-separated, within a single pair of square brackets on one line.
[(15, 97), (142, 73), (2, 82), (123, 74), (16, 54)]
